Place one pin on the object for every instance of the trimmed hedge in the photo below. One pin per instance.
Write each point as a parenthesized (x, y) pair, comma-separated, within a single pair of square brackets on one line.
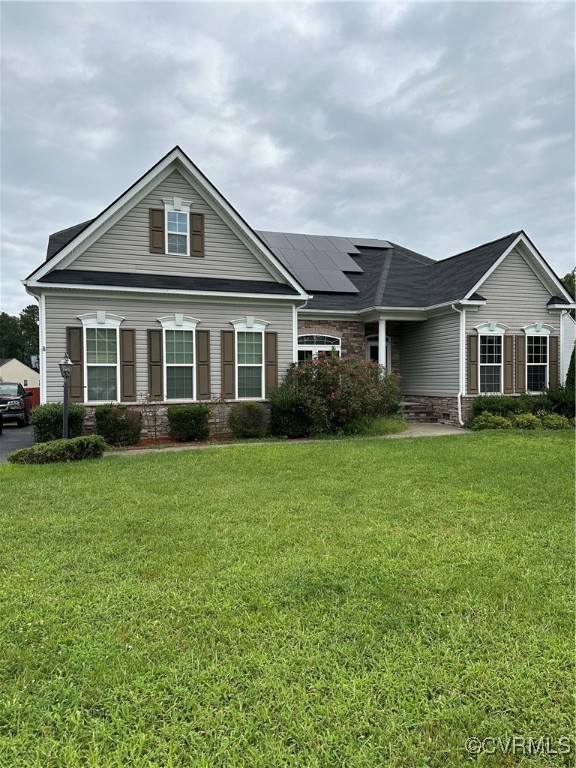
[(288, 416), (248, 420), (74, 449), (189, 422), (490, 421), (526, 421), (46, 421), (118, 424), (559, 400), (555, 421)]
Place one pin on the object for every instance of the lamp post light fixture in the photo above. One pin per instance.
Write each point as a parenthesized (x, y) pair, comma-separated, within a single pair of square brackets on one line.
[(66, 366)]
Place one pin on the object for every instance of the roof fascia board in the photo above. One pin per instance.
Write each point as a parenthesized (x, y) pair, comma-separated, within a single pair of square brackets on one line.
[(46, 288), (562, 306)]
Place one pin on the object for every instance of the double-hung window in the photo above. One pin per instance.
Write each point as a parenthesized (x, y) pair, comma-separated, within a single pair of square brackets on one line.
[(179, 354), (101, 355), (490, 357), (537, 357), (249, 358), (177, 226), (490, 364)]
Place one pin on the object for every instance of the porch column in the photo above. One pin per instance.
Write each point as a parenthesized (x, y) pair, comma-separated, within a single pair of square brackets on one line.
[(382, 342)]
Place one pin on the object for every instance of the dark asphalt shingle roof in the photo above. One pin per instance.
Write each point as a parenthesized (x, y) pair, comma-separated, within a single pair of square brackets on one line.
[(166, 282), (342, 273)]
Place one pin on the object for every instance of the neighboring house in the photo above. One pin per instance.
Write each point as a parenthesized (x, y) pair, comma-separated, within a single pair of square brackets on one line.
[(170, 293), (12, 369)]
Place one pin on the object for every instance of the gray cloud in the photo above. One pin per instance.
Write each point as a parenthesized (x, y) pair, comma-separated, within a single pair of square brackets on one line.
[(436, 125)]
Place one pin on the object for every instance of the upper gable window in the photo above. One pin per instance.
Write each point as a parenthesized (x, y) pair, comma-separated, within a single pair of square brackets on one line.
[(176, 230)]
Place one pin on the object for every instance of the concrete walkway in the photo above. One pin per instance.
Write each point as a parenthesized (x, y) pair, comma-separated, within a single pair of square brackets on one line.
[(415, 429)]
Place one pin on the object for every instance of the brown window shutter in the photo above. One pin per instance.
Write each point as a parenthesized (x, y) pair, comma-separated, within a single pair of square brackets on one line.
[(520, 344), (127, 365), (508, 365), (75, 344), (156, 231), (197, 234), (228, 365), (473, 365), (271, 358), (553, 363), (155, 375), (203, 365)]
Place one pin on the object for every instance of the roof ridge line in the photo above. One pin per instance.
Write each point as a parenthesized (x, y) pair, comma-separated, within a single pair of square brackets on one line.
[(383, 278), (482, 245)]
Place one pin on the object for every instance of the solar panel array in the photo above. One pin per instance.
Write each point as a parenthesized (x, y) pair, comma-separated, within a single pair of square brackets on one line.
[(319, 262)]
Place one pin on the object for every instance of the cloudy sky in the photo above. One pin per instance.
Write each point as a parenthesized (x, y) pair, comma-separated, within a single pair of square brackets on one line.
[(436, 125)]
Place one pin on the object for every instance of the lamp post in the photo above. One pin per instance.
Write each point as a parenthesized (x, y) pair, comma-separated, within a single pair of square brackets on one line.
[(65, 371)]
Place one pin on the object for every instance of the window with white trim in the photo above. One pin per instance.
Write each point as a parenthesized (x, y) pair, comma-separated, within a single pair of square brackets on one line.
[(101, 353), (249, 335), (316, 345), (177, 226), (179, 353), (537, 357), (490, 357)]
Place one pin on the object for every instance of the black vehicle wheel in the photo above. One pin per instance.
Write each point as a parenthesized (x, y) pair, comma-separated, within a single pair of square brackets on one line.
[(23, 422)]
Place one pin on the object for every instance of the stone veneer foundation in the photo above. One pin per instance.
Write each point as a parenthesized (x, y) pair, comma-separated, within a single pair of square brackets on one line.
[(441, 407)]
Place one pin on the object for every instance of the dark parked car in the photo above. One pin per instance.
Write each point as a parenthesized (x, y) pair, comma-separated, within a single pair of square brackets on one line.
[(14, 403)]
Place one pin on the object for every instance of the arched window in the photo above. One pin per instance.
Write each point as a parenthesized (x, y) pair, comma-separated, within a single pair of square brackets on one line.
[(315, 345)]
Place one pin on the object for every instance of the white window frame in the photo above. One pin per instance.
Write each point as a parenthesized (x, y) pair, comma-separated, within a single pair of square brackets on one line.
[(96, 321), (491, 329), (540, 330), (316, 348), (178, 322), (249, 324), (176, 205)]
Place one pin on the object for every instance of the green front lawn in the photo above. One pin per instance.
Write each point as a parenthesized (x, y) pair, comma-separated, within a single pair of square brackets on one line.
[(350, 603)]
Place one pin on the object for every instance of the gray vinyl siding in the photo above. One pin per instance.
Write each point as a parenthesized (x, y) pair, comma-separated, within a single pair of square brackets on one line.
[(568, 339), (429, 357), (126, 245), (514, 296), (141, 314)]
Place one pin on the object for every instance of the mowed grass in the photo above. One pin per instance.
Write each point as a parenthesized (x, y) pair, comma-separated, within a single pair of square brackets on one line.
[(351, 603)]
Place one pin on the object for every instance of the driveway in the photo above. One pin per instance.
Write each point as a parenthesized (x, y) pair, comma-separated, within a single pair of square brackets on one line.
[(12, 438)]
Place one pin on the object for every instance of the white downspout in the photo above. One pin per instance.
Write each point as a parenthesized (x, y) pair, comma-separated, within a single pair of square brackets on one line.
[(462, 360), (561, 354), (42, 350)]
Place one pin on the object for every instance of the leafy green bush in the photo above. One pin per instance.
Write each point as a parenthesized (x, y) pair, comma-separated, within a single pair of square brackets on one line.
[(554, 421), (189, 422), (46, 421), (53, 451), (288, 416), (490, 421), (526, 421), (335, 395), (570, 376), (504, 405), (248, 420), (118, 424), (559, 400)]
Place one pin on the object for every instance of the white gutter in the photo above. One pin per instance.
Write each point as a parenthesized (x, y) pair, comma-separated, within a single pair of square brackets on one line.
[(462, 360)]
